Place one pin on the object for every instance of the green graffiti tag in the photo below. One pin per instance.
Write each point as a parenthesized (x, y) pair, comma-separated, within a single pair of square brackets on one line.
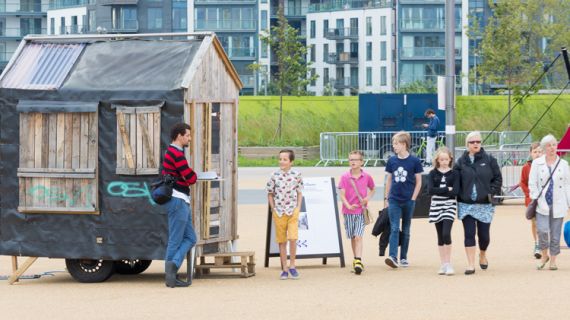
[(55, 195), (130, 190)]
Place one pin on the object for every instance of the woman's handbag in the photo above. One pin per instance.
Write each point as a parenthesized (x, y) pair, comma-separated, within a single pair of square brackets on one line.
[(531, 209), (365, 213)]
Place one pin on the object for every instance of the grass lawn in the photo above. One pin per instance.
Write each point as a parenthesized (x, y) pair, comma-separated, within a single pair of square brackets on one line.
[(304, 118)]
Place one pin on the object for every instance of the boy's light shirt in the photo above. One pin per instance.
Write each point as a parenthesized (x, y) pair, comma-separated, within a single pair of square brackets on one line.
[(284, 186)]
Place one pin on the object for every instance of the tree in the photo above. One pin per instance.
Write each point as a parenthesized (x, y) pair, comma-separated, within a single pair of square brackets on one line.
[(293, 74), (511, 48)]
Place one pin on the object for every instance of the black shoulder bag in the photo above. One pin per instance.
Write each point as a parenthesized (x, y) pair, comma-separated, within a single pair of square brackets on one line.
[(161, 189)]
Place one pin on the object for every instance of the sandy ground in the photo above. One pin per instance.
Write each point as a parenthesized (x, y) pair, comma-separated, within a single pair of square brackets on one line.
[(511, 288)]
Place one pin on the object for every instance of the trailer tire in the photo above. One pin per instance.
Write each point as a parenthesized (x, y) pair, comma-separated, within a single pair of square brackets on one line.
[(131, 266), (90, 270)]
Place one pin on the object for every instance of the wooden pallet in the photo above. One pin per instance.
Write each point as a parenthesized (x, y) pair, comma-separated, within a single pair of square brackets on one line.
[(224, 261)]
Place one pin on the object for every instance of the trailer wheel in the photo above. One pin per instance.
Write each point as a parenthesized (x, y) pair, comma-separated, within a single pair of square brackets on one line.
[(89, 270), (131, 266)]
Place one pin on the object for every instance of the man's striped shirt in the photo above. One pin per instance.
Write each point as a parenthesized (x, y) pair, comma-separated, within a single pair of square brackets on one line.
[(175, 164)]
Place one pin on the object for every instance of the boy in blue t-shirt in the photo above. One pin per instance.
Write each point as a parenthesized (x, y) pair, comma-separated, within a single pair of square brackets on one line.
[(403, 183)]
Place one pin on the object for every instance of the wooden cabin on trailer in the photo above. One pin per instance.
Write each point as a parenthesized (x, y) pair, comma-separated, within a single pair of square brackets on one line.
[(84, 124)]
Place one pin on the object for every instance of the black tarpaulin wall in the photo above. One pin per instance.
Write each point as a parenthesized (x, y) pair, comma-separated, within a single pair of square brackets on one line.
[(129, 225)]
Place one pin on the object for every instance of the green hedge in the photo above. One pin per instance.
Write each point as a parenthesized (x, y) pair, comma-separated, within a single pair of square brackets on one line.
[(304, 118)]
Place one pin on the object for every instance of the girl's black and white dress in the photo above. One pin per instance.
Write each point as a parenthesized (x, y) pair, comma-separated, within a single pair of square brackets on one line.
[(443, 201)]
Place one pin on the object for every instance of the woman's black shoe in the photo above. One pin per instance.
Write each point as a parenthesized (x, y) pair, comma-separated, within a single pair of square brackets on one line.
[(484, 266), (469, 272)]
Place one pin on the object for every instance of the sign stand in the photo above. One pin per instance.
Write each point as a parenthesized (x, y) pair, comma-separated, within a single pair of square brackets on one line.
[(318, 220)]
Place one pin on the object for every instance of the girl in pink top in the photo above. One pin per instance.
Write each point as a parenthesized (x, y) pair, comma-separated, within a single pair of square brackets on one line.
[(352, 207)]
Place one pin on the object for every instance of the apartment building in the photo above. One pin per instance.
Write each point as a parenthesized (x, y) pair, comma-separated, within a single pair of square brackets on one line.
[(351, 46), (19, 18)]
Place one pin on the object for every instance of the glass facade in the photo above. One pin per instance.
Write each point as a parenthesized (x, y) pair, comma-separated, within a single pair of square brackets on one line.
[(154, 18), (226, 18), (124, 18), (179, 16)]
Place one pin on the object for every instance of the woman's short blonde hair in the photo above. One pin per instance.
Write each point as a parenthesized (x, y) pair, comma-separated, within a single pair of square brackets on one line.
[(403, 137), (472, 134), (548, 139), (440, 151)]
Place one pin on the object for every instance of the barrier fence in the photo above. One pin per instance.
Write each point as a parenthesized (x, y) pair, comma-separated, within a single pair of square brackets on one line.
[(377, 146)]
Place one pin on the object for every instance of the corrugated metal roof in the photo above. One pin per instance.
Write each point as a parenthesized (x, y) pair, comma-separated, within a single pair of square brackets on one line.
[(42, 66)]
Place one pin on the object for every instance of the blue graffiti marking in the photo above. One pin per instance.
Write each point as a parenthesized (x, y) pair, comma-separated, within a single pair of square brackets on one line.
[(130, 190)]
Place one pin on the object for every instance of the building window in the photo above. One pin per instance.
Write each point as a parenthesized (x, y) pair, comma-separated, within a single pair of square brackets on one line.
[(382, 76), (61, 26), (313, 53), (325, 52), (313, 73), (263, 20), (124, 18), (368, 26), (92, 21), (383, 25), (62, 177), (353, 26), (51, 26), (382, 50), (138, 140), (369, 76), (325, 27), (179, 16), (313, 29), (326, 79), (368, 51), (154, 18)]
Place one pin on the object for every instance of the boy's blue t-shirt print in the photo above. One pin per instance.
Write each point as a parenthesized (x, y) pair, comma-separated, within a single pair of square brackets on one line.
[(403, 177)]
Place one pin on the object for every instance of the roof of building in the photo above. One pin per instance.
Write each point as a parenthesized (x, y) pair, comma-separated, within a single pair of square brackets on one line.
[(108, 62)]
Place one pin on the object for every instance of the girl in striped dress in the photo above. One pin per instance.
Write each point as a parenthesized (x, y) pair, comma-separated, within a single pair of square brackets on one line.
[(443, 185)]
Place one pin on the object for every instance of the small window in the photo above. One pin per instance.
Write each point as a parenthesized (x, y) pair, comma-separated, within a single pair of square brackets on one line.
[(138, 140), (57, 171)]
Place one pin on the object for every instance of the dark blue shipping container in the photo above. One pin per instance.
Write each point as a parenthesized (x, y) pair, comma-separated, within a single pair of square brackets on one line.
[(395, 112)]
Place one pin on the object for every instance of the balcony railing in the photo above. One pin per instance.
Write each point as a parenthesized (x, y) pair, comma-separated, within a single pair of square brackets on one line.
[(23, 7), (233, 25), (18, 32), (426, 2), (425, 52), (343, 58), (337, 5), (408, 78), (347, 82), (426, 24), (126, 26), (240, 52), (225, 1), (291, 11), (63, 4), (342, 33), (247, 80), (74, 29)]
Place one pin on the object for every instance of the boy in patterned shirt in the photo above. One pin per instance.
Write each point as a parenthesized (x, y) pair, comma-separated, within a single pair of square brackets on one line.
[(285, 198)]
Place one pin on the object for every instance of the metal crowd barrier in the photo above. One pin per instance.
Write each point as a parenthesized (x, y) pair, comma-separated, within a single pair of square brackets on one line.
[(377, 146)]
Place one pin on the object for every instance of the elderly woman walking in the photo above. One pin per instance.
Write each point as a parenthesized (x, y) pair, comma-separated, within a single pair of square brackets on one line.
[(553, 196), (480, 178)]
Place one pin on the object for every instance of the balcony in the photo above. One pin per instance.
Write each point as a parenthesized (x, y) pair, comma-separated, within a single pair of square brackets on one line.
[(23, 8), (18, 33), (64, 4), (423, 53), (342, 33), (247, 80), (226, 25), (291, 12), (229, 2), (428, 25), (74, 29), (241, 53), (346, 83), (124, 26), (343, 58), (426, 2), (338, 5), (431, 80)]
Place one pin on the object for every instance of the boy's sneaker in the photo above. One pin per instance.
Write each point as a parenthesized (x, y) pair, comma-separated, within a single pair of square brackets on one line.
[(537, 253), (284, 275), (358, 266), (449, 270), (442, 269), (404, 263), (392, 262), (294, 274)]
